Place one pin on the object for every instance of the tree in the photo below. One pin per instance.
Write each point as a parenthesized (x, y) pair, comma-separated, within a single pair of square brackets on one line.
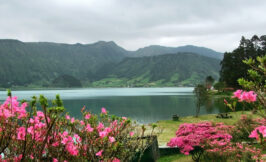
[(201, 94), (219, 86), (232, 66), (209, 81)]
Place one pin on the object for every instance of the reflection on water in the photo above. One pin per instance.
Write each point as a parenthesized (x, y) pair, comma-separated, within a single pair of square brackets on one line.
[(142, 104)]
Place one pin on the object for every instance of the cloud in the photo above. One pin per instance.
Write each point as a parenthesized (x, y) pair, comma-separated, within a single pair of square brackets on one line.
[(133, 24)]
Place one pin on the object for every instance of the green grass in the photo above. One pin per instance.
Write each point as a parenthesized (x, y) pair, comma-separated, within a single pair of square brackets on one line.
[(170, 127), (176, 158)]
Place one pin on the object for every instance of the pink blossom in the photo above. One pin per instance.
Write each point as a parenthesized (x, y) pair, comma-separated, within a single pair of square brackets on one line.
[(82, 122), (87, 116), (55, 160), (72, 120), (237, 94), (67, 117), (21, 132), (104, 111), (99, 153), (245, 96), (131, 134), (102, 134), (100, 127), (111, 139), (254, 133), (88, 128)]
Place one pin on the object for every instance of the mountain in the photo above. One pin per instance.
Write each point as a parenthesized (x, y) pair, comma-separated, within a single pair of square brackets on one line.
[(39, 63), (159, 50), (44, 64), (183, 69)]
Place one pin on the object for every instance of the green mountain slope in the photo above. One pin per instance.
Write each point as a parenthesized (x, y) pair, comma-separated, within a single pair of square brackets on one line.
[(47, 64), (159, 50), (182, 69), (40, 63)]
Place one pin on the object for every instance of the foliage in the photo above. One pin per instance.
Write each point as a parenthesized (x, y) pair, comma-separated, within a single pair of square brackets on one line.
[(257, 82), (232, 65), (243, 128), (219, 86), (66, 81), (30, 135), (201, 94), (209, 81)]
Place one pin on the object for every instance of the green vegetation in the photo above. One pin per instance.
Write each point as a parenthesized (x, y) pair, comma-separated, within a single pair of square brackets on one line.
[(183, 69), (232, 65), (102, 64)]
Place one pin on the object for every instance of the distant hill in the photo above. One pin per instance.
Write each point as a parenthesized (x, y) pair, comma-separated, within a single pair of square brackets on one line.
[(40, 63), (43, 64), (159, 50), (182, 69)]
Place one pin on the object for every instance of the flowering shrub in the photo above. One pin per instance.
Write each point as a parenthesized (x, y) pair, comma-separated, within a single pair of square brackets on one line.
[(231, 152), (189, 136), (30, 135), (257, 132), (260, 134), (245, 96), (244, 126), (212, 141)]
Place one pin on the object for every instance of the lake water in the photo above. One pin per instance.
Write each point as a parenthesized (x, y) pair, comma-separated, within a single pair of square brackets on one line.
[(144, 105)]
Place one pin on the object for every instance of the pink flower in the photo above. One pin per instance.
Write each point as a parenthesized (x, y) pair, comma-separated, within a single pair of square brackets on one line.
[(111, 139), (67, 117), (102, 134), (104, 111), (72, 149), (225, 101), (88, 128), (55, 160), (77, 137), (87, 116), (100, 127), (99, 153), (40, 114), (245, 96), (237, 94), (21, 132), (131, 134), (82, 122), (72, 120), (254, 133)]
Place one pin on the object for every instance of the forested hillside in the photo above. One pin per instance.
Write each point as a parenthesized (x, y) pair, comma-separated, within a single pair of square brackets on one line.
[(182, 69), (47, 64)]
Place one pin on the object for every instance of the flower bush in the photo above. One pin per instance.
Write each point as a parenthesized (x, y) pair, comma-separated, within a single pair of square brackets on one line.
[(28, 134), (244, 127), (211, 142), (188, 136)]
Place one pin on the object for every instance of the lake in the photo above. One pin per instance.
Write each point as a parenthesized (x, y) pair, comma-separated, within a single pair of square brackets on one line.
[(145, 105)]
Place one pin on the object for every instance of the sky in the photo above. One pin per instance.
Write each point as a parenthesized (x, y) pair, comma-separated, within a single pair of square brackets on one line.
[(133, 24)]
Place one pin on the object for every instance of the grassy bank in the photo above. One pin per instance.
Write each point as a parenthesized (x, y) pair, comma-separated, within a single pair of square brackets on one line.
[(170, 127)]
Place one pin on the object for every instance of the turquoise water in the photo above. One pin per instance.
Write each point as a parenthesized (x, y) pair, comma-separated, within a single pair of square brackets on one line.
[(144, 105)]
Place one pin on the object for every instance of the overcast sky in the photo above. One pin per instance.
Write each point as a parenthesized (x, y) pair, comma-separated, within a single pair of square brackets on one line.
[(132, 24)]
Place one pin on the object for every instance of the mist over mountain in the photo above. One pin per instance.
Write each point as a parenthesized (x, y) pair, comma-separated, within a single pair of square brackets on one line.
[(40, 64)]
